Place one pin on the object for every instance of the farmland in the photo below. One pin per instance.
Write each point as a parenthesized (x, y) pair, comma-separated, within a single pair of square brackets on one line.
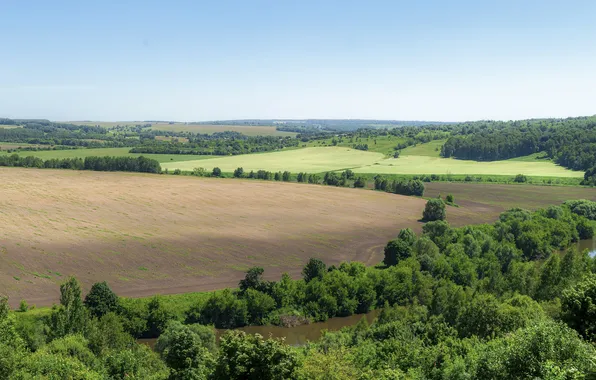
[(148, 234), (418, 160), (249, 130)]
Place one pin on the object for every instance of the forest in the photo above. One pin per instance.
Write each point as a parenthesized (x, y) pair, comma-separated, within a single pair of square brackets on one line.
[(569, 142), (512, 299)]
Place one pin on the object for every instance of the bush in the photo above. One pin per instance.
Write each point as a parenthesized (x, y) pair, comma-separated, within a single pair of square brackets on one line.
[(238, 173), (434, 210), (360, 182), (216, 172), (520, 178), (449, 199), (23, 306)]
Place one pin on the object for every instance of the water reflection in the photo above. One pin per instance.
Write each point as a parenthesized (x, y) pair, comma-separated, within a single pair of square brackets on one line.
[(590, 245)]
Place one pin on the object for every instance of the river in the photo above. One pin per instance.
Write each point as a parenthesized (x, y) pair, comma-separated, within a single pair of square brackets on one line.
[(590, 245), (299, 335)]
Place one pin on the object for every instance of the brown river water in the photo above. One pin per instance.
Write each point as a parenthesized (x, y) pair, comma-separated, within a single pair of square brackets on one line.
[(300, 335)]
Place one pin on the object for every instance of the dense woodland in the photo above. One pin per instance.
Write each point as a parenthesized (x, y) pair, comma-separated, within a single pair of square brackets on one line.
[(500, 301), (569, 142)]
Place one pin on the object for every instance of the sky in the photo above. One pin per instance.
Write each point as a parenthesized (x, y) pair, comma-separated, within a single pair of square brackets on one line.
[(209, 60)]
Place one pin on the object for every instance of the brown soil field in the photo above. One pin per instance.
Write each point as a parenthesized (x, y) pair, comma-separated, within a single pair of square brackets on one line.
[(482, 202), (152, 234), (149, 234)]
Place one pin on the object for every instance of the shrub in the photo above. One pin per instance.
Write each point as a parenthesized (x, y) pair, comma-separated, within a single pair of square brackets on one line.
[(434, 210)]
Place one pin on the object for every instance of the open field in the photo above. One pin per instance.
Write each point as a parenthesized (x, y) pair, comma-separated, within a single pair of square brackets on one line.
[(408, 164), (482, 203), (249, 130), (322, 159), (148, 234), (313, 160), (82, 153)]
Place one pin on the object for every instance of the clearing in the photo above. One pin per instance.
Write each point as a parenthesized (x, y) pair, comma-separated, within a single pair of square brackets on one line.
[(249, 130)]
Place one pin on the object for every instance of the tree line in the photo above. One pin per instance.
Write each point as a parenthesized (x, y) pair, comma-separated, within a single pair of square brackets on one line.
[(104, 163)]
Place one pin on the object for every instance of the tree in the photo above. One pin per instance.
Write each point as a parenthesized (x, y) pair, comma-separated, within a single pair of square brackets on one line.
[(578, 305), (315, 268), (101, 300), (216, 172), (158, 317), (184, 353), (286, 176), (247, 357), (71, 316), (238, 173), (254, 280), (449, 199), (259, 305), (434, 210), (395, 251), (360, 182)]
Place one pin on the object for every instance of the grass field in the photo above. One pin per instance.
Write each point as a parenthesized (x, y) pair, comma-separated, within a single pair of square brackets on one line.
[(430, 149), (313, 160), (335, 158), (408, 164)]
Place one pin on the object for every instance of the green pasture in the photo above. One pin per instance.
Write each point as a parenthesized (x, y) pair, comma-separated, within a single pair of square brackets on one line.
[(436, 165), (313, 160), (430, 149)]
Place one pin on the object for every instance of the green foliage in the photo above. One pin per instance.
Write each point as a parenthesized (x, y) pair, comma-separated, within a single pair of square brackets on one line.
[(23, 306), (138, 362), (434, 210), (238, 173), (101, 300), (216, 172), (315, 268), (578, 304), (184, 353), (71, 317), (222, 309), (243, 356), (449, 199)]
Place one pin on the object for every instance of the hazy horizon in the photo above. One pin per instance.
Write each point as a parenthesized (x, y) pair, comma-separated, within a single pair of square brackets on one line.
[(230, 60)]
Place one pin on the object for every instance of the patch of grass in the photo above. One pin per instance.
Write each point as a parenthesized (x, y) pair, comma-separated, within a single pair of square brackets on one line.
[(379, 144), (143, 268), (16, 278), (430, 149)]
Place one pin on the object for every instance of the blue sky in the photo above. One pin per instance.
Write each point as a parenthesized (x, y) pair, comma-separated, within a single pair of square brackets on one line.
[(206, 60)]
